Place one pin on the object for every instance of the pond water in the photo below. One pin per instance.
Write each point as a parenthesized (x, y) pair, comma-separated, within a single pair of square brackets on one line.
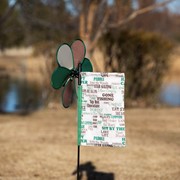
[(22, 97), (19, 96), (170, 94)]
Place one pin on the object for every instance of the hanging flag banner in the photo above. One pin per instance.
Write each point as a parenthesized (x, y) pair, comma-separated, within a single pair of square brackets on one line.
[(101, 120)]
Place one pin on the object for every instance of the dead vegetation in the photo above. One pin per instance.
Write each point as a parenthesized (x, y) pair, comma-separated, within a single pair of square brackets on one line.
[(43, 146), (22, 64), (173, 75)]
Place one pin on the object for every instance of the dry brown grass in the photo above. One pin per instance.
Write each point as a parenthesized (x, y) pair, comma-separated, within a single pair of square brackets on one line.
[(173, 74), (43, 146), (21, 63)]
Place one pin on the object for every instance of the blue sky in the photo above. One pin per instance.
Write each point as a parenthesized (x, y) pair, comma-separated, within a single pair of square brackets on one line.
[(173, 6)]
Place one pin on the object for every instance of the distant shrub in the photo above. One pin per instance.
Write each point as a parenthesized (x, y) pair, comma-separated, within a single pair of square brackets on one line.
[(142, 56)]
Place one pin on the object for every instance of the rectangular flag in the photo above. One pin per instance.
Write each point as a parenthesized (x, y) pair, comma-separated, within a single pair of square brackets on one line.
[(101, 119)]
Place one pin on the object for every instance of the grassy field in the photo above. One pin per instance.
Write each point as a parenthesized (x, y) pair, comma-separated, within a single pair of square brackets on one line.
[(42, 146), (21, 63)]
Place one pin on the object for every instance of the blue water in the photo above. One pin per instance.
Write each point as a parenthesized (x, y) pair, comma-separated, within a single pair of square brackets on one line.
[(11, 100), (21, 97), (170, 94)]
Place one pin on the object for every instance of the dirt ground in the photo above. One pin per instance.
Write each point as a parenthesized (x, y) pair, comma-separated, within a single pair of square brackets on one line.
[(42, 146)]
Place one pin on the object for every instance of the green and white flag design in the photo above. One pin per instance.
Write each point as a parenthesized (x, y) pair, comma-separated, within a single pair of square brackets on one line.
[(101, 120)]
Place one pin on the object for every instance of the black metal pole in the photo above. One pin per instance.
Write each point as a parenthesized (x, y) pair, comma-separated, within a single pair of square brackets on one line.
[(79, 75), (78, 153), (78, 160)]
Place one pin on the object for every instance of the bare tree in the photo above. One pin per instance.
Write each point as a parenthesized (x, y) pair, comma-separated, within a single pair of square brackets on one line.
[(96, 17), (7, 12)]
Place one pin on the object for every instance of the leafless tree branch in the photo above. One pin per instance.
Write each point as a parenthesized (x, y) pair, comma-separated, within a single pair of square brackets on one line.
[(8, 12), (100, 30), (104, 24), (44, 23), (136, 13)]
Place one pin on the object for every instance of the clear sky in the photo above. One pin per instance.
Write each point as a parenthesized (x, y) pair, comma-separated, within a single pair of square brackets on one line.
[(173, 6)]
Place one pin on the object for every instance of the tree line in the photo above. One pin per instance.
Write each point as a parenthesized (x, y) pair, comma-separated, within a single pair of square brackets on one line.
[(133, 35), (38, 21)]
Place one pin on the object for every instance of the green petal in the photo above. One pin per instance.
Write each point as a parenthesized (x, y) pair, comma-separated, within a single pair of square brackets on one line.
[(86, 65), (59, 77)]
